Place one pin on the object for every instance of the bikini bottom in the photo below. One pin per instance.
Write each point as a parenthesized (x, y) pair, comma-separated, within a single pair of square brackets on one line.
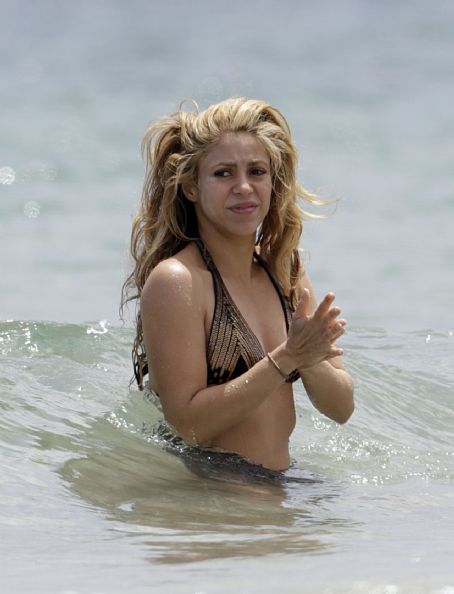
[(221, 465)]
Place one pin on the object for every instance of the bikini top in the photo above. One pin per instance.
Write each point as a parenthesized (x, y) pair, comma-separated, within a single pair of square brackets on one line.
[(232, 346)]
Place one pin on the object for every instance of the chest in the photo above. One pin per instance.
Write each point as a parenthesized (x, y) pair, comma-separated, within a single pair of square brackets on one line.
[(258, 306)]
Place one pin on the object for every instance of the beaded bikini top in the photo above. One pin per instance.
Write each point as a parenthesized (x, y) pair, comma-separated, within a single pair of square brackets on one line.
[(232, 346)]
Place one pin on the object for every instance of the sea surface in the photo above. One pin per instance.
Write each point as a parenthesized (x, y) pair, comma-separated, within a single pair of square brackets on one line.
[(91, 501)]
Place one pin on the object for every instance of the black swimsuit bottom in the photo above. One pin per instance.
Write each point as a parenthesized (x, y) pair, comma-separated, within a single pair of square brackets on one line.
[(228, 466)]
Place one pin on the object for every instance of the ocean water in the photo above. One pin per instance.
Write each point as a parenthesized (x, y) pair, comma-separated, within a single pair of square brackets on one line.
[(91, 501)]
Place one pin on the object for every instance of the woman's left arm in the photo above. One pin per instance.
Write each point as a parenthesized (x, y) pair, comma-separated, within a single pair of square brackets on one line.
[(330, 389), (328, 384)]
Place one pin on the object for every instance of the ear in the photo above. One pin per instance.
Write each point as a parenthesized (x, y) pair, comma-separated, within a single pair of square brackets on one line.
[(190, 191)]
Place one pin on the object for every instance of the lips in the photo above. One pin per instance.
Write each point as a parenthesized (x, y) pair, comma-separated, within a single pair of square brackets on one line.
[(243, 208)]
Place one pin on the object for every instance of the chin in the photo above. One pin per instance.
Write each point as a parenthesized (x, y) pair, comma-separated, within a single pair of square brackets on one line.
[(251, 232)]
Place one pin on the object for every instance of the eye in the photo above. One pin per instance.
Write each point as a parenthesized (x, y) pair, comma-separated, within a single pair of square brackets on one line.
[(222, 173), (258, 171)]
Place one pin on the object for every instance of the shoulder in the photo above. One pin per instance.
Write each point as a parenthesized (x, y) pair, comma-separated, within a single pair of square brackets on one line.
[(174, 279)]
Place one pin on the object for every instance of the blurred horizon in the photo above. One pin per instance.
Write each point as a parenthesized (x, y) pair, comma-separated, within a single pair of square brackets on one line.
[(366, 88)]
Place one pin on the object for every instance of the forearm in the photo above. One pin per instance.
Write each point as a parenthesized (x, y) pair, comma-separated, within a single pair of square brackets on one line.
[(330, 390), (216, 409)]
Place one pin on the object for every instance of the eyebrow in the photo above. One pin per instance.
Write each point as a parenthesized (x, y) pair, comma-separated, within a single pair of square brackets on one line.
[(234, 163)]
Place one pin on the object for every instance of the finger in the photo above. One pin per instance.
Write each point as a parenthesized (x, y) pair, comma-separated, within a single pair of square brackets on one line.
[(324, 306), (336, 333), (332, 314), (334, 352), (332, 323), (333, 333), (302, 309)]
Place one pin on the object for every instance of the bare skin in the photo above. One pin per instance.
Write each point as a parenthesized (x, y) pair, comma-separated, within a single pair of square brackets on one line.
[(254, 414)]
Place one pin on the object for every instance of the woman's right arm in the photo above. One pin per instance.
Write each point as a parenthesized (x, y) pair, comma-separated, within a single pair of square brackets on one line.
[(173, 311)]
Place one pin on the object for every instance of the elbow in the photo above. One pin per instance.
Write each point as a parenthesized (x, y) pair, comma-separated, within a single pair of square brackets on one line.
[(191, 435), (343, 411), (193, 439), (188, 427), (343, 416), (348, 407)]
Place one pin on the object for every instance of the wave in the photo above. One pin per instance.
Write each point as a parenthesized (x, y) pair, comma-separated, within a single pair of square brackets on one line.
[(61, 381)]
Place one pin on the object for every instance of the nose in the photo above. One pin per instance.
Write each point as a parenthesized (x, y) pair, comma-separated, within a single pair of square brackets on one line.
[(243, 185)]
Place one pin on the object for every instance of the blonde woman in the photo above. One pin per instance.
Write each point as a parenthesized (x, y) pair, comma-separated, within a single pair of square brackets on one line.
[(227, 318)]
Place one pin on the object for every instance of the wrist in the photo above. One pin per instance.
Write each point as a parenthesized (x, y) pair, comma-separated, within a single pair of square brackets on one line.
[(283, 361)]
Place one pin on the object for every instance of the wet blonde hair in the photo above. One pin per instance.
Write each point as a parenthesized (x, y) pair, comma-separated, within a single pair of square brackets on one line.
[(166, 219)]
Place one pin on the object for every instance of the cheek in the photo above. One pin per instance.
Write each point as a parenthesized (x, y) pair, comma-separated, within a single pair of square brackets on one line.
[(205, 197), (209, 201)]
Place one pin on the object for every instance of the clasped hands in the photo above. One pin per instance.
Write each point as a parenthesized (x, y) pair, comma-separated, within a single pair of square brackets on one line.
[(311, 338)]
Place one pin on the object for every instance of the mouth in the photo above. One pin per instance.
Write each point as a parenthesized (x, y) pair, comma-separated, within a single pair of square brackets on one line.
[(243, 208)]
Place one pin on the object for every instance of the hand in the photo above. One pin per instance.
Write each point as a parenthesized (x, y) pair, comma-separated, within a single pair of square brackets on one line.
[(311, 338)]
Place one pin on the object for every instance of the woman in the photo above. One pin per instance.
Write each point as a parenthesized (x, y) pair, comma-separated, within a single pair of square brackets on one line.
[(227, 317)]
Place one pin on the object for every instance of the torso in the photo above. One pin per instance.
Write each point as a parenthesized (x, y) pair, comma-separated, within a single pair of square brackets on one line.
[(264, 435)]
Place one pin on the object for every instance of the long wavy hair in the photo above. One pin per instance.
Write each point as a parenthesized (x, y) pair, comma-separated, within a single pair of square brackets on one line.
[(166, 220)]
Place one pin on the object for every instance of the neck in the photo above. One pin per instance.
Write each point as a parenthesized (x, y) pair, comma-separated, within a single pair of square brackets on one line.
[(232, 256)]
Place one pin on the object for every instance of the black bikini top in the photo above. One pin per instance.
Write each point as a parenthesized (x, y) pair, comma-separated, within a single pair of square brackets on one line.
[(232, 347)]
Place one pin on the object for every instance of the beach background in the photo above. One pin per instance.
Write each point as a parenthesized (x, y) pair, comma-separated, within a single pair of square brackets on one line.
[(91, 503)]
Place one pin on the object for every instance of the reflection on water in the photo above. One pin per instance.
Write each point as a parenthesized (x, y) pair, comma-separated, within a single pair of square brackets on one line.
[(183, 517)]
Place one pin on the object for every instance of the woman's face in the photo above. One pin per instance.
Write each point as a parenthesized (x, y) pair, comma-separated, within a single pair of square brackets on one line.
[(234, 186)]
